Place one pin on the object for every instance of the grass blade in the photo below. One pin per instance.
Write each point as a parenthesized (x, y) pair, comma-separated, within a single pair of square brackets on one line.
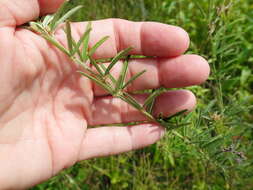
[(133, 79), (97, 45), (212, 141), (117, 58)]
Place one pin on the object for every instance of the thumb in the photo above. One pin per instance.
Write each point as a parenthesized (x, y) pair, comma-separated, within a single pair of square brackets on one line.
[(18, 12)]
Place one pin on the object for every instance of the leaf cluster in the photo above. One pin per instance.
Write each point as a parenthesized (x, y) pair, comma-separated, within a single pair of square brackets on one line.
[(80, 53)]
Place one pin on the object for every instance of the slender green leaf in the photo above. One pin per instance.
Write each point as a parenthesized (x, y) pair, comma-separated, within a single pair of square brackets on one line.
[(133, 79), (149, 103), (58, 14), (114, 81), (122, 77), (55, 43), (117, 58), (94, 63), (85, 67), (131, 100), (167, 119), (47, 20), (85, 41), (134, 103), (75, 47), (37, 27), (150, 106), (97, 45), (69, 37), (97, 81), (212, 141), (65, 17), (74, 44)]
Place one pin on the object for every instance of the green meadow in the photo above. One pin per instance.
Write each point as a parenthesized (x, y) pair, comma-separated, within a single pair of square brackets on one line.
[(214, 151)]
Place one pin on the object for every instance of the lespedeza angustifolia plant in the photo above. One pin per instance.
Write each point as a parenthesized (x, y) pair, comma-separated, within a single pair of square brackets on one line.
[(81, 54)]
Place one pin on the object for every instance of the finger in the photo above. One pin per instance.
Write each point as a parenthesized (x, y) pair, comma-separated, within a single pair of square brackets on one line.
[(114, 140), (49, 6), (146, 38), (182, 71), (18, 12), (108, 110)]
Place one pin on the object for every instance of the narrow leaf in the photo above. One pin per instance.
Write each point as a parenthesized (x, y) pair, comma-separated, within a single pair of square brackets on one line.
[(37, 27), (69, 37), (133, 79), (122, 77), (73, 42), (58, 14), (150, 106), (114, 81), (94, 63), (97, 81), (66, 16), (149, 103), (212, 141), (131, 100), (167, 119), (85, 41), (119, 56), (74, 47), (55, 43), (97, 45), (86, 67), (47, 20)]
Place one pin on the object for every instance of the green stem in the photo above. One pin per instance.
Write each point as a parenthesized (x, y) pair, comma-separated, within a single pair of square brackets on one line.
[(106, 60)]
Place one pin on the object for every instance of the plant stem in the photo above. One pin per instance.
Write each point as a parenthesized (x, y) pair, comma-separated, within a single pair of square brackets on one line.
[(106, 60)]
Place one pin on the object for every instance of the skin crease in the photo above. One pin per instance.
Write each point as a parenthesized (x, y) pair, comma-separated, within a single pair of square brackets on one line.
[(46, 106)]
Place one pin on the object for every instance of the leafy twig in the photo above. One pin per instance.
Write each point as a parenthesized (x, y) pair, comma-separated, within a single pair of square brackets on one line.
[(80, 53)]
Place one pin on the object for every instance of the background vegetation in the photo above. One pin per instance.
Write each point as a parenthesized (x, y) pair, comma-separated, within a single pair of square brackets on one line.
[(215, 151)]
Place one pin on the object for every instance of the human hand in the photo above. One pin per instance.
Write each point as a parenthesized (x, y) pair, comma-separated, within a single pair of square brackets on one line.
[(46, 106)]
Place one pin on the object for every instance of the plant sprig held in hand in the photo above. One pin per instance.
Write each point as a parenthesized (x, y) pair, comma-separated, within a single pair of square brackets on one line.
[(80, 53)]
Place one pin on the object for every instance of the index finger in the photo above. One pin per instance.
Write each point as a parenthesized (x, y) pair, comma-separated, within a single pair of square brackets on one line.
[(146, 38)]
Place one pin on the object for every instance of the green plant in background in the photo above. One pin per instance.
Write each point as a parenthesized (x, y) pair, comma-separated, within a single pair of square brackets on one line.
[(213, 152)]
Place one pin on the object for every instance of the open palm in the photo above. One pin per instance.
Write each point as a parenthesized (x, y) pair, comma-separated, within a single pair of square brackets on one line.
[(45, 106)]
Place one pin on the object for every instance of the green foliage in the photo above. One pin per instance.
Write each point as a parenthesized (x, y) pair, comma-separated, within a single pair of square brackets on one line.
[(84, 55), (212, 152)]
